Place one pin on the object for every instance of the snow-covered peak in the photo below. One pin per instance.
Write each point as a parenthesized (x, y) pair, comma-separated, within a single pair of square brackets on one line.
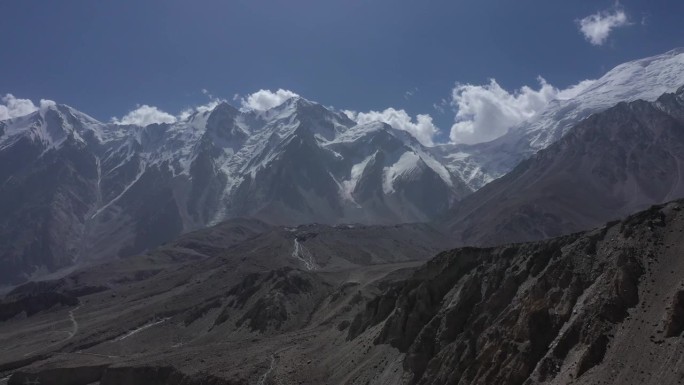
[(360, 130), (644, 79), (51, 125), (82, 117), (225, 108), (640, 79)]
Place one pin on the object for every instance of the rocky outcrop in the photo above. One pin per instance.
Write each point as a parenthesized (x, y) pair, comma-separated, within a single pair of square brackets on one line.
[(542, 312), (274, 301)]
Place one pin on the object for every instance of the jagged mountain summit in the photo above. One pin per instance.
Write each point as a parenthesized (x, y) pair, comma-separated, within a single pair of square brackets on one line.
[(75, 188), (643, 79)]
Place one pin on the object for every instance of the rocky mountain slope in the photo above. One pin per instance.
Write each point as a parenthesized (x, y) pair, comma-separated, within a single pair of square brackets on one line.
[(74, 189), (603, 306), (612, 164), (205, 301)]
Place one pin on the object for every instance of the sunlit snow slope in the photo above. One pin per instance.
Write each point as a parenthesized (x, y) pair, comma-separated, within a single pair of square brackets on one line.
[(644, 79)]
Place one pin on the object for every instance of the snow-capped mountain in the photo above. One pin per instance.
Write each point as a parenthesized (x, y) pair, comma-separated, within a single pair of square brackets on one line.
[(612, 164), (644, 79), (74, 188)]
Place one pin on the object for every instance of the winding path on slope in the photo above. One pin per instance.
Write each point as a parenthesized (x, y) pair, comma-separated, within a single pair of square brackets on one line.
[(74, 324), (71, 333)]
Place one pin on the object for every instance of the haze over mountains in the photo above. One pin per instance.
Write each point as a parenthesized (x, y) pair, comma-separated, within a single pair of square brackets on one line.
[(75, 189)]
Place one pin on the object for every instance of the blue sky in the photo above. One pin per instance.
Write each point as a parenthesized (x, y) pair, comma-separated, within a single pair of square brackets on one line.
[(105, 58)]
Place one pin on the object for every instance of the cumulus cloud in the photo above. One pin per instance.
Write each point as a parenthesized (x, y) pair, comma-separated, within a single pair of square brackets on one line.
[(422, 128), (486, 112), (596, 28), (12, 107), (263, 100), (144, 115), (45, 104)]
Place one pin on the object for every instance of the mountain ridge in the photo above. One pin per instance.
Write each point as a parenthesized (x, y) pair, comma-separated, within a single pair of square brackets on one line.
[(125, 188), (646, 79), (613, 163), (140, 186)]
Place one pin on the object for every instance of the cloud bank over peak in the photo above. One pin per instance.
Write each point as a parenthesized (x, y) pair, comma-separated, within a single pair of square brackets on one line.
[(486, 112), (597, 28), (263, 100), (144, 115), (13, 107), (481, 112), (421, 128)]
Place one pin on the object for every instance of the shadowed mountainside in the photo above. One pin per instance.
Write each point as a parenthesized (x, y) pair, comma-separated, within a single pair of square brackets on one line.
[(604, 306)]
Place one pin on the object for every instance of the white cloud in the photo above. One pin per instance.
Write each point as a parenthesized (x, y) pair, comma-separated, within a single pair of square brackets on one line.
[(213, 102), (12, 107), (144, 115), (486, 112), (597, 27), (263, 100), (45, 104), (186, 113), (409, 94), (351, 114), (422, 128), (441, 106)]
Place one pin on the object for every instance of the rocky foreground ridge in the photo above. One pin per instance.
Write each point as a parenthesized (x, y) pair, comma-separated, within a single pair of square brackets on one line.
[(599, 307)]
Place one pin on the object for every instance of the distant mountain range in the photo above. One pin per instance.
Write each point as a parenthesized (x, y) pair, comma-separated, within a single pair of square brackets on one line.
[(73, 189)]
